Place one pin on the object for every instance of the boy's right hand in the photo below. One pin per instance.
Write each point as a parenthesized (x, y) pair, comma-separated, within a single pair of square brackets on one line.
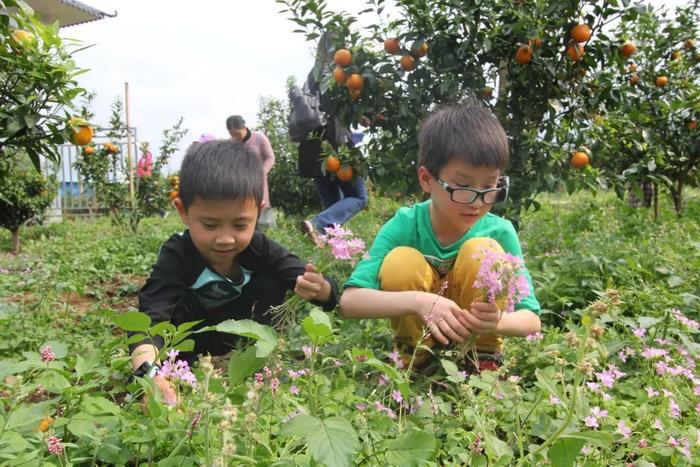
[(166, 389), (444, 318)]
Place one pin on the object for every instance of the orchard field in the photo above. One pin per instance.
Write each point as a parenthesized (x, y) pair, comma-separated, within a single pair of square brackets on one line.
[(612, 380), (600, 101)]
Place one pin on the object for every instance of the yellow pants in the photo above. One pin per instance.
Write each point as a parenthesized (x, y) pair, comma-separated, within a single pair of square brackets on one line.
[(405, 268)]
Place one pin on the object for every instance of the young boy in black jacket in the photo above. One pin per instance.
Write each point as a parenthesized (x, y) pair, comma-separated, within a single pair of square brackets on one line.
[(221, 267)]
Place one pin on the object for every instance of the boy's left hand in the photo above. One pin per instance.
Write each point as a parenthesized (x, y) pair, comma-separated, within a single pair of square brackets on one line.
[(483, 318), (312, 286)]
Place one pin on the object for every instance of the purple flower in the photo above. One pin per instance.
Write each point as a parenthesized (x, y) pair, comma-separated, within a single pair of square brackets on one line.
[(274, 385), (691, 323), (623, 429), (554, 400), (47, 354), (360, 406), (594, 387), (382, 380), (177, 370), (653, 352), (396, 395), (639, 332), (658, 425), (651, 392), (608, 377), (294, 389), (642, 443), (598, 412)]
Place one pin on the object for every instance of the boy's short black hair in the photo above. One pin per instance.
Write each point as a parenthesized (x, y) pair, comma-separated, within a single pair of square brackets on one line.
[(220, 170), (235, 121), (468, 132)]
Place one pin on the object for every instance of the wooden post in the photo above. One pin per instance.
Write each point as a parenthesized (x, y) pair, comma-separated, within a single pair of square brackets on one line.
[(130, 163)]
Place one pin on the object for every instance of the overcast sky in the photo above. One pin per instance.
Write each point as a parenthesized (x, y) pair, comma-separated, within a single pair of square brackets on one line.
[(201, 60)]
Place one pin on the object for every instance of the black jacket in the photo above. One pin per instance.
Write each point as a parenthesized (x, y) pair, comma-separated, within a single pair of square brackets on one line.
[(183, 287)]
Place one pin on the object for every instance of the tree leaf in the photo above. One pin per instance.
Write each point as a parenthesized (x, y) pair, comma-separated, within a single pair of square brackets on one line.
[(318, 326), (265, 336)]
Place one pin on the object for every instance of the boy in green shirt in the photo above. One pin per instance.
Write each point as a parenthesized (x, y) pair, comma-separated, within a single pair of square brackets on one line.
[(423, 262)]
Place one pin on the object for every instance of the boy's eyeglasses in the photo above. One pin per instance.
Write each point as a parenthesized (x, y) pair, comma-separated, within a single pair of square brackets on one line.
[(469, 195)]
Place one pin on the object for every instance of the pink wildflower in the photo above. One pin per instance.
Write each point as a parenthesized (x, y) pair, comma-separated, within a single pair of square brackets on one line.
[(47, 354), (658, 425), (554, 400), (642, 443), (307, 351), (674, 410), (54, 445), (500, 276), (396, 358), (594, 387), (697, 407), (538, 336), (598, 412), (651, 392), (691, 323), (177, 370), (382, 380), (274, 385), (639, 332), (623, 429), (294, 389), (360, 406), (396, 395), (653, 352), (591, 421)]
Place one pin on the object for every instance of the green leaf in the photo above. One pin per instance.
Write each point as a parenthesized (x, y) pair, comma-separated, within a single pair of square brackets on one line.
[(318, 326), (53, 381), (243, 364), (27, 417), (133, 321), (7, 310), (60, 350), (674, 281), (265, 336), (564, 451), (332, 441), (544, 382), (85, 365), (499, 448), (83, 426), (100, 406), (412, 449), (598, 438)]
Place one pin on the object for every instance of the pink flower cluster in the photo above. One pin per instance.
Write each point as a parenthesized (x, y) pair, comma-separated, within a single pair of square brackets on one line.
[(54, 445), (608, 377), (145, 165), (396, 358), (501, 276), (412, 407), (344, 246), (596, 414), (682, 444), (691, 323), (538, 336), (623, 429), (177, 370), (47, 354), (653, 352)]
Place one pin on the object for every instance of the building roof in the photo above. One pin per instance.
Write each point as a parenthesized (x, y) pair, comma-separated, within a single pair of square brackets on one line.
[(66, 12)]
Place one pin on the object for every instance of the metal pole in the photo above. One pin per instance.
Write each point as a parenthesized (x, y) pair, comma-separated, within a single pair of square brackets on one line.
[(128, 144)]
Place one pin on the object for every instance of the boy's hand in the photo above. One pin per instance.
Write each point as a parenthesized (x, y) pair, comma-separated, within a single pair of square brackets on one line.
[(166, 389), (483, 318), (312, 285), (445, 319)]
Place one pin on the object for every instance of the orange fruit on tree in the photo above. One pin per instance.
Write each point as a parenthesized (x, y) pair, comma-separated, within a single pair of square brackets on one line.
[(88, 150), (524, 55), (634, 80), (355, 82), (82, 136), (628, 48), (580, 33), (421, 51), (661, 81), (632, 68), (339, 75), (22, 37), (344, 173), (342, 57), (174, 194), (692, 125), (391, 45), (579, 160), (332, 164), (574, 51), (689, 44), (536, 42), (675, 55), (354, 95), (408, 63)]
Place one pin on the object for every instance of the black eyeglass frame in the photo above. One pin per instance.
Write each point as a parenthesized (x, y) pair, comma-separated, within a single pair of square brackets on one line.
[(502, 187)]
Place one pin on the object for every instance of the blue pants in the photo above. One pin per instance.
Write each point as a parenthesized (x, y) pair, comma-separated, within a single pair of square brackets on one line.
[(340, 200)]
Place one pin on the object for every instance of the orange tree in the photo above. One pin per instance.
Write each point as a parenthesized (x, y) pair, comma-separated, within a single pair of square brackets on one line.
[(37, 82), (650, 129), (520, 58)]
